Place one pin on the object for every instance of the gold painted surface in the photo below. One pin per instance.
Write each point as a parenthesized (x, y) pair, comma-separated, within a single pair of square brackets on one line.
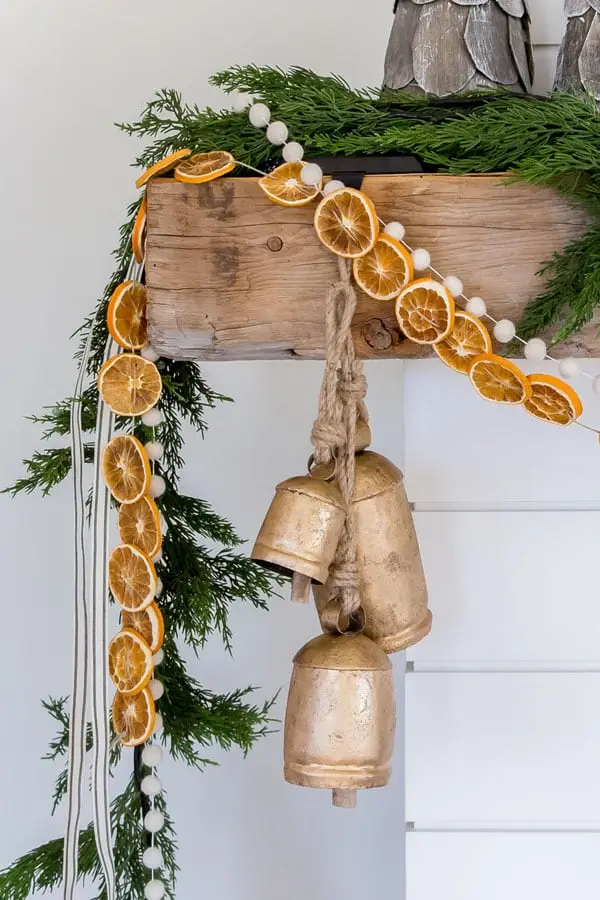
[(302, 528), (392, 581), (341, 715)]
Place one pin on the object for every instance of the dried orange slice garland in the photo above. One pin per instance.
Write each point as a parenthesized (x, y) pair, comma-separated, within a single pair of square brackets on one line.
[(138, 235), (203, 167), (148, 623), (132, 577), (552, 400), (346, 222), (499, 380), (126, 468), (469, 338), (129, 384), (162, 167), (139, 525), (425, 311), (134, 717), (129, 662), (385, 270), (284, 186), (126, 316)]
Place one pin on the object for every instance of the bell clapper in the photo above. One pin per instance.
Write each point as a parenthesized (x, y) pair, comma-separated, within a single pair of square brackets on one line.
[(344, 799), (301, 588)]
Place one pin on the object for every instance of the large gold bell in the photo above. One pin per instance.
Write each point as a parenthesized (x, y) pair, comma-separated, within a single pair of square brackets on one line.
[(340, 717), (392, 581), (302, 528)]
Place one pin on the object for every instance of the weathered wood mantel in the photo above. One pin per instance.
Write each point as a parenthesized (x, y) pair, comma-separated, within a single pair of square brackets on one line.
[(231, 275)]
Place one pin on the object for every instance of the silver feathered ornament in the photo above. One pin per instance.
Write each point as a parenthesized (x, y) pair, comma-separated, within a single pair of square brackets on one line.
[(578, 65), (446, 46)]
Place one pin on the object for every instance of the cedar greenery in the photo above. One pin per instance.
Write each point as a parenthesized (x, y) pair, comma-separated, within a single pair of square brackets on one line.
[(552, 141)]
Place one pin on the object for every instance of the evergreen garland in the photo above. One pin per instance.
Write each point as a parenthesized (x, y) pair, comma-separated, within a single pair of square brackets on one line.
[(551, 141)]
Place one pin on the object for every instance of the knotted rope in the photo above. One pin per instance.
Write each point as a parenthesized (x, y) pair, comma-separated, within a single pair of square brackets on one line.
[(333, 435)]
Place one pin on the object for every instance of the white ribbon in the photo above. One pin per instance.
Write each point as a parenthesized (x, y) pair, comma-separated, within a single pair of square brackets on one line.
[(98, 647), (77, 729)]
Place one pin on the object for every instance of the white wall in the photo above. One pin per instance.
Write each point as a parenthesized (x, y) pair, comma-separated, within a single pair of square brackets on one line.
[(69, 70)]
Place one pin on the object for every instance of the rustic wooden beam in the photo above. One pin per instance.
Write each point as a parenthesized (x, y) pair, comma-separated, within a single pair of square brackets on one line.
[(233, 276)]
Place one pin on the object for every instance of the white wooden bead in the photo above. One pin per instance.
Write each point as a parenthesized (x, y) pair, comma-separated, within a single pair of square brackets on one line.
[(476, 306), (152, 755), (155, 450), (157, 486), (157, 688), (333, 185), (152, 858), (154, 890), (395, 230), (536, 350), (240, 101), (158, 658), (149, 353), (152, 418), (154, 821), (158, 558), (568, 368), (596, 384), (277, 133), (421, 259), (454, 285), (311, 174), (293, 151), (504, 331), (159, 584), (151, 786), (158, 724), (259, 115)]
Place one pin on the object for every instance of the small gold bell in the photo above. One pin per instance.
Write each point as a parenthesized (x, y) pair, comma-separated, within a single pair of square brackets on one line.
[(392, 581), (301, 531), (341, 716)]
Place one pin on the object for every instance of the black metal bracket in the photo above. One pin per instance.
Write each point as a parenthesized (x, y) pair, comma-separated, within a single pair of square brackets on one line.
[(352, 169)]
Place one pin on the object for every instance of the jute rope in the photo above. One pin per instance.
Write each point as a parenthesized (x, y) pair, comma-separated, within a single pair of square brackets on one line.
[(333, 435)]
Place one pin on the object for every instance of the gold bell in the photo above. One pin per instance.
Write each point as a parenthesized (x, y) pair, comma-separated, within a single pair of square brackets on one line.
[(301, 531), (341, 717), (392, 581)]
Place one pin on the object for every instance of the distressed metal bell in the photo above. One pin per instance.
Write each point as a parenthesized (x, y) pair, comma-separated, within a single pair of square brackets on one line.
[(302, 528), (341, 716), (392, 581)]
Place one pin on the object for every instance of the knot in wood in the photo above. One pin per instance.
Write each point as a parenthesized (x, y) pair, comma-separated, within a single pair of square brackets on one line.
[(275, 243), (377, 335)]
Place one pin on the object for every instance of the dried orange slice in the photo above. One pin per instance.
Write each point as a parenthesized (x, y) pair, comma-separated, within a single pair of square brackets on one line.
[(162, 166), (203, 167), (138, 235), (139, 525), (285, 186), (134, 717), (126, 315), (149, 623), (425, 311), (469, 338), (346, 222), (126, 469), (384, 270), (499, 380), (132, 577), (553, 400), (129, 662), (129, 384)]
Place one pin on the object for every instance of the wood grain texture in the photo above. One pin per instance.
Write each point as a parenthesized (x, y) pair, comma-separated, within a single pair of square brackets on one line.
[(231, 275)]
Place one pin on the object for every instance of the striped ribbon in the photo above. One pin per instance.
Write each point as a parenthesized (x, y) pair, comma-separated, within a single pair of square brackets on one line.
[(90, 646), (77, 729), (98, 647)]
